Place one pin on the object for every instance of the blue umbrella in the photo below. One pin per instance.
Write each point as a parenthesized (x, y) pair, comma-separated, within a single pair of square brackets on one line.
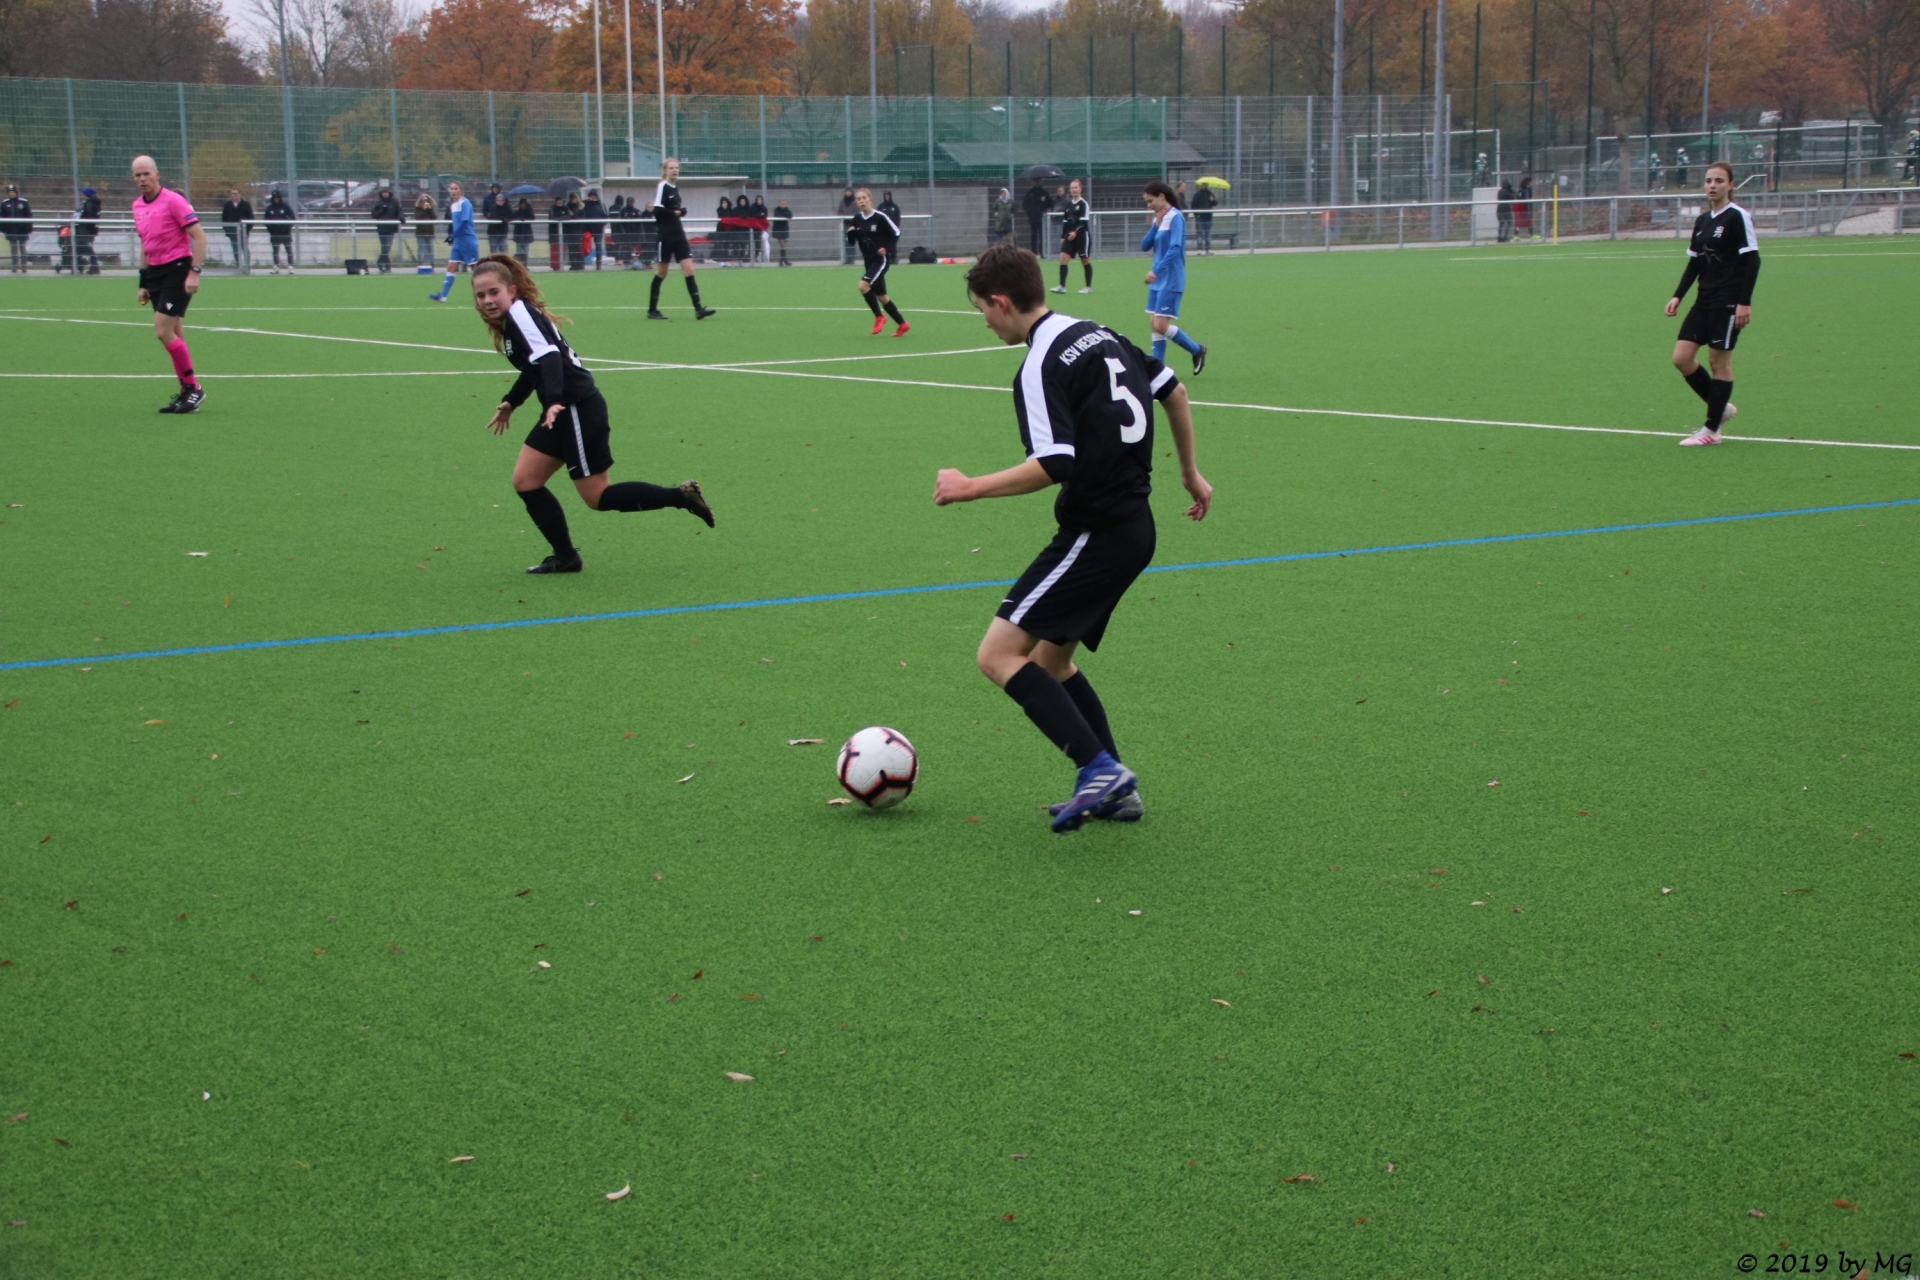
[(529, 189)]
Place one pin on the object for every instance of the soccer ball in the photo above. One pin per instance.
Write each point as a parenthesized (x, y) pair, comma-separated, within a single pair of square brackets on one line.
[(878, 767)]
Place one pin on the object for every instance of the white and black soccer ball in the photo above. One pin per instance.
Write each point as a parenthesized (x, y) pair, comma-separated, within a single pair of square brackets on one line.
[(878, 767)]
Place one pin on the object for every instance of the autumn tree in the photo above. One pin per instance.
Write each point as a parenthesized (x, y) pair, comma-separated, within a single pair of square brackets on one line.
[(833, 58), (713, 47), (184, 40), (1878, 42), (504, 45)]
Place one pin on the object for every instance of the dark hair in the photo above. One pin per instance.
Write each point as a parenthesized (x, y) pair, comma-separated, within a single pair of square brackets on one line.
[(523, 286), (1011, 272), (1721, 164), (1159, 188)]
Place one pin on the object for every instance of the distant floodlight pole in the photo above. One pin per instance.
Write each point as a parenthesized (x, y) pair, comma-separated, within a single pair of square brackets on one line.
[(627, 32), (599, 102), (286, 104), (873, 82), (1339, 88), (660, 57), (1706, 81), (1438, 186)]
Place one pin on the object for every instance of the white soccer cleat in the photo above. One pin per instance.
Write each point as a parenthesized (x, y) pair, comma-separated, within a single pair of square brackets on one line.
[(1726, 414), (1704, 435), (1059, 288), (1088, 289)]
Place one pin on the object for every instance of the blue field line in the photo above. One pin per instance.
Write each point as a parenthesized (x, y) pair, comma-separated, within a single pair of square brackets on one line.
[(878, 593)]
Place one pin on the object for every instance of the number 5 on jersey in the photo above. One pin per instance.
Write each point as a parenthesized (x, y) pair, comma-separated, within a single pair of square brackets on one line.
[(1134, 431)]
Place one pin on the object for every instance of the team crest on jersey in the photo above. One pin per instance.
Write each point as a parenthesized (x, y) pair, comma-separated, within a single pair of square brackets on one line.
[(1718, 231)]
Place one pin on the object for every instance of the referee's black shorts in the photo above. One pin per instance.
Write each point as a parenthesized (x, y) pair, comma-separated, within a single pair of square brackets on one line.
[(166, 286), (1710, 324), (1072, 588), (578, 437), (1076, 243), (875, 274)]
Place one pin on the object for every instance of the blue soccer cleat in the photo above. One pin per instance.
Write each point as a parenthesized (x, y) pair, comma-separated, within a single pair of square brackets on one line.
[(1104, 780), (1127, 808)]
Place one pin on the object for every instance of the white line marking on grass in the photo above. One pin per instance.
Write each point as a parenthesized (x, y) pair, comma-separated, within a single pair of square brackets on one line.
[(214, 307), (265, 333), (238, 377), (1547, 255), (891, 355)]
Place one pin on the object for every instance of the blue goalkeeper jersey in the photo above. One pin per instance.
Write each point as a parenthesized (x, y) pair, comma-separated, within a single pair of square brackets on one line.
[(1166, 240), (460, 218)]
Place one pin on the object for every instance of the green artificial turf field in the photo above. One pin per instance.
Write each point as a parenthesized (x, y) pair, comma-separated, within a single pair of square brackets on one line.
[(1503, 909)]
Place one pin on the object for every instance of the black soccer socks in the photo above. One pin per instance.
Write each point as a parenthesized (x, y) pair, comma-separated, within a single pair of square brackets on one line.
[(1717, 403), (873, 304), (894, 312), (653, 300), (1086, 265), (1702, 383), (1052, 710), (1063, 275), (549, 518), (638, 495), (1080, 689), (693, 291)]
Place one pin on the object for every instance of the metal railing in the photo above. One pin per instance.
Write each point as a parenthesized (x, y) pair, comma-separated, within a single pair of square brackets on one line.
[(1546, 218), (334, 243)]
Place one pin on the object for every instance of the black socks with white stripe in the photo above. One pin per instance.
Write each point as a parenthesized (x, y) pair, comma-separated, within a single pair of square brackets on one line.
[(1054, 712), (638, 495), (549, 518)]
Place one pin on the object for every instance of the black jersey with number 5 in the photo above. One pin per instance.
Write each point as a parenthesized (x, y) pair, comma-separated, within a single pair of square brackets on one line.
[(531, 342), (1084, 398)]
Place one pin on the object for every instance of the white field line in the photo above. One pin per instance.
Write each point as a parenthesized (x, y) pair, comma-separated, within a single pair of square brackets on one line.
[(634, 366), (215, 307), (1547, 255), (245, 377), (265, 333)]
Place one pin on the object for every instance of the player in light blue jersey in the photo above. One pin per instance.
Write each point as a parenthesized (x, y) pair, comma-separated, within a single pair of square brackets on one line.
[(464, 248), (1166, 240)]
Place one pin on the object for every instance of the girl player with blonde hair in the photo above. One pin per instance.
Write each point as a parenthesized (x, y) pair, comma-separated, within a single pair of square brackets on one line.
[(572, 431)]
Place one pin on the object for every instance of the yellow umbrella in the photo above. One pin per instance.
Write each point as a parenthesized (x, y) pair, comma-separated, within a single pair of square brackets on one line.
[(1221, 183)]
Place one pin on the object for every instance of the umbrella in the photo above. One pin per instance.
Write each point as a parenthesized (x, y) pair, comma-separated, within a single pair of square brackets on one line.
[(560, 186), (1219, 183), (528, 189), (1042, 172)]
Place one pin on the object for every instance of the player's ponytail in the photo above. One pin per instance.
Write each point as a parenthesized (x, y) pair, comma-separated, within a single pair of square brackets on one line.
[(523, 287), (1159, 188)]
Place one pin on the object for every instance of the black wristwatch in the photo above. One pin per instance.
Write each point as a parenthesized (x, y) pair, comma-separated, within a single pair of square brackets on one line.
[(194, 267)]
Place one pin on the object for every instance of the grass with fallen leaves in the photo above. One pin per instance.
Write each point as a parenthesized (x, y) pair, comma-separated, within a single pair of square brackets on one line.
[(542, 950)]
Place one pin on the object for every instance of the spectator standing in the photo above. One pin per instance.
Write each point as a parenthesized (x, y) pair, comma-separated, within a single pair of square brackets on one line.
[(569, 240), (496, 210), (723, 236), (999, 216), (523, 230), (279, 220), (780, 224), (16, 218), (387, 217), (423, 212), (236, 219), (86, 225), (593, 238), (1480, 170), (556, 231), (1523, 210), (888, 207), (848, 211), (763, 246), (1036, 202), (1203, 206), (1680, 167), (1503, 209)]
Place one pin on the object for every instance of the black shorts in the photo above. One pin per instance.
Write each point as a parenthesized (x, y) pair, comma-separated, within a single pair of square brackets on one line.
[(1710, 324), (875, 274), (1072, 588), (578, 437), (166, 287), (674, 248), (1076, 243)]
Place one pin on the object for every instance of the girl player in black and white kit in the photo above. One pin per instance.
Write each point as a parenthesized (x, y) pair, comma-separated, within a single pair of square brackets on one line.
[(1724, 256), (879, 239), (572, 431), (668, 211), (1076, 237), (1084, 399)]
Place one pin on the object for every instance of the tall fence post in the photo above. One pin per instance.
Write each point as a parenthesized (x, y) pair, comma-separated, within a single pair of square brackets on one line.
[(1238, 181), (186, 165), (763, 144), (1163, 139), (586, 132), (847, 103), (932, 213), (1306, 164), (493, 143), (286, 130), (73, 140), (393, 127), (1010, 177)]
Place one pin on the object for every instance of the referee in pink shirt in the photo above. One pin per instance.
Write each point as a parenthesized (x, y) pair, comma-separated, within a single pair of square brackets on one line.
[(172, 247)]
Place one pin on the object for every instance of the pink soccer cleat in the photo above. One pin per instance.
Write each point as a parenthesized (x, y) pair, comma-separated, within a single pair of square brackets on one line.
[(879, 323), (1705, 435)]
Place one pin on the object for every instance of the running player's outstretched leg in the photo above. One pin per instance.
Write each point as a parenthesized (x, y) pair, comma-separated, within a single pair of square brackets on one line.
[(886, 305), (638, 495)]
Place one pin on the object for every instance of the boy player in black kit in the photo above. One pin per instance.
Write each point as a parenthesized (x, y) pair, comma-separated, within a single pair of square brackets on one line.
[(1083, 398)]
